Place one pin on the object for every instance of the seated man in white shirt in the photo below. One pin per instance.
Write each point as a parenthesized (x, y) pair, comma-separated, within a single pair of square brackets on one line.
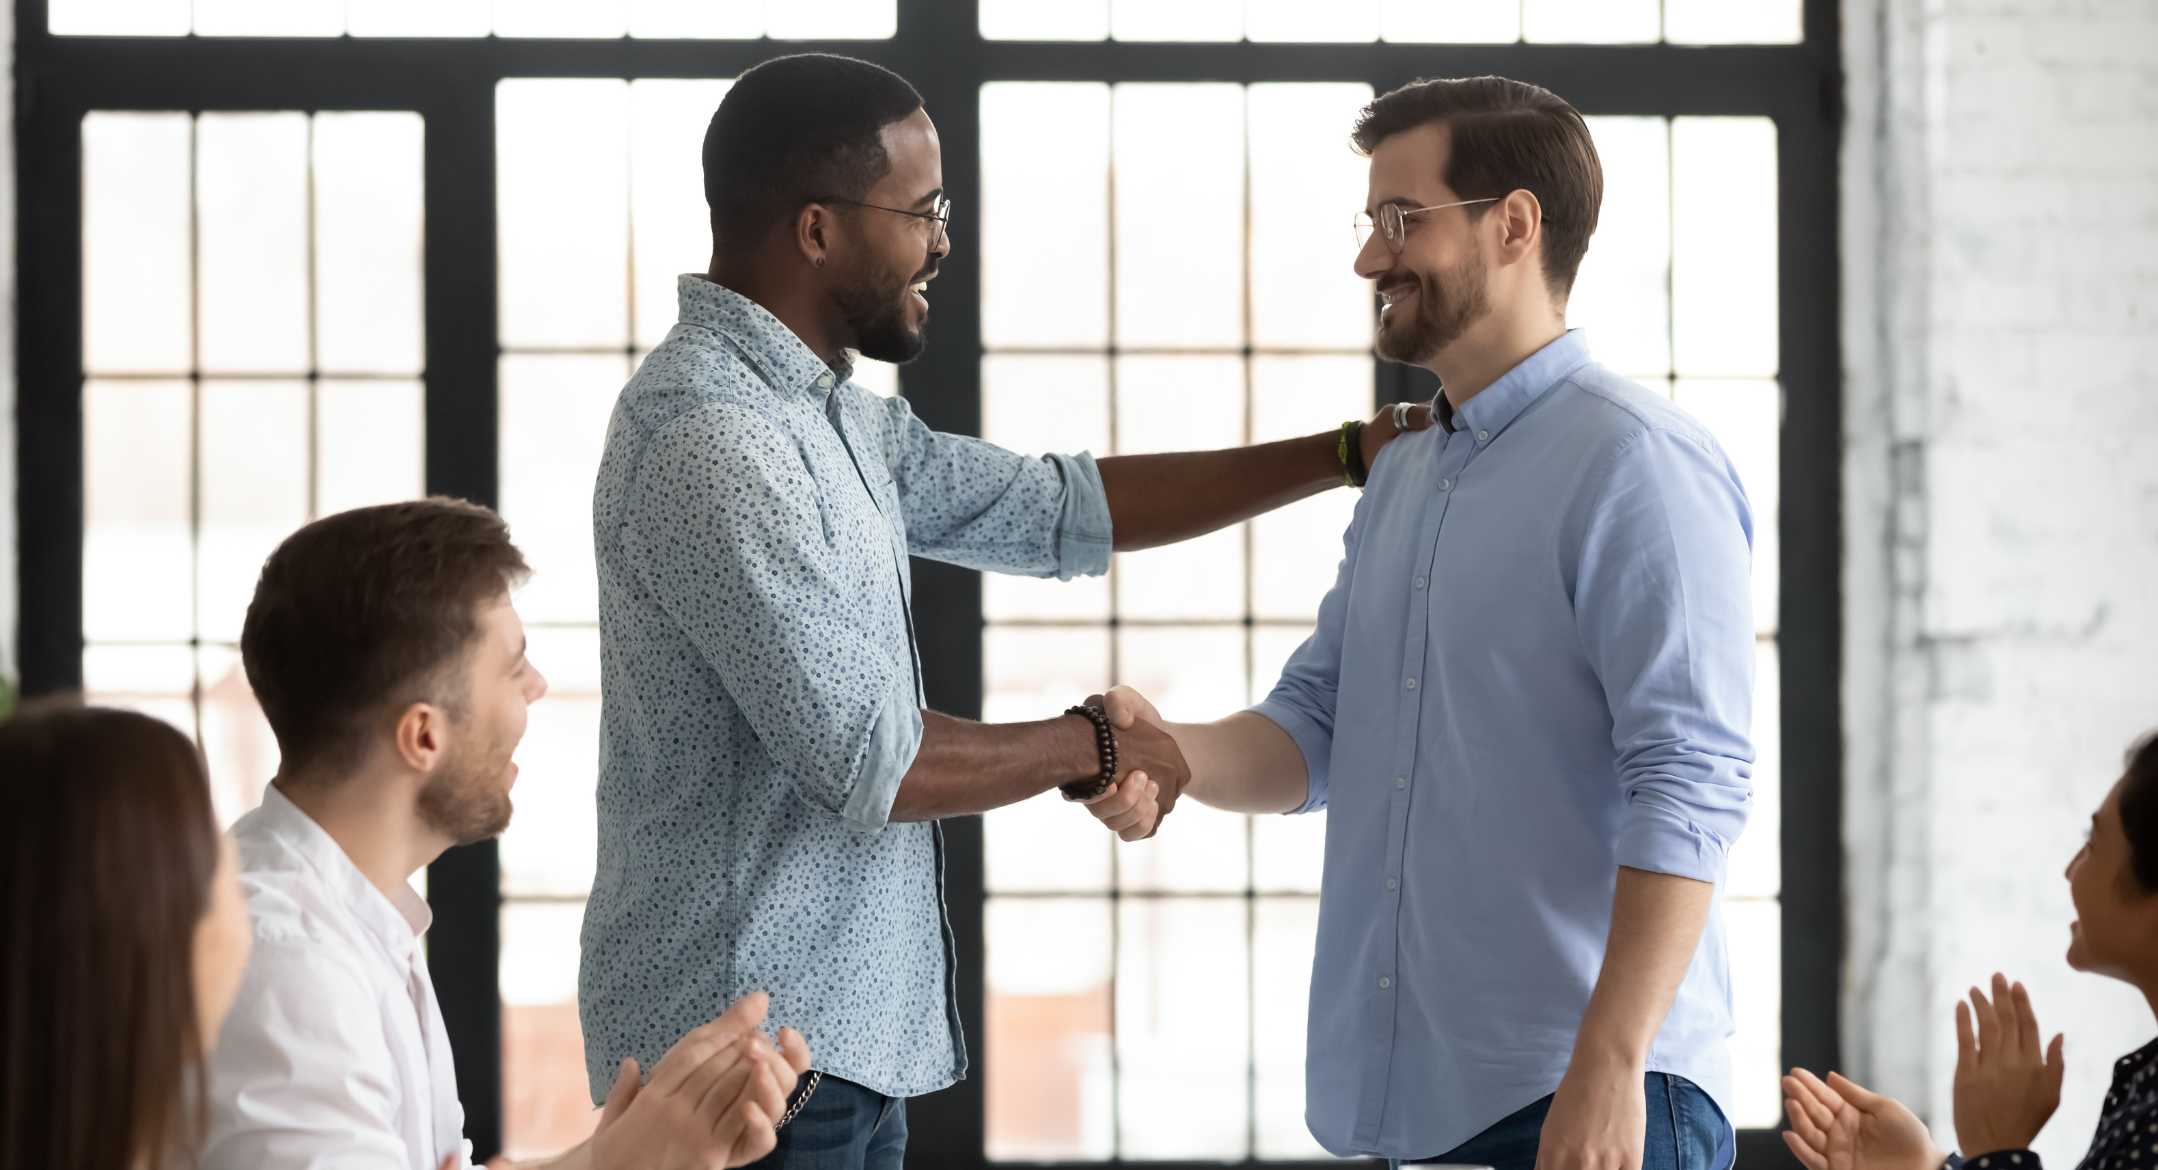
[(391, 665)]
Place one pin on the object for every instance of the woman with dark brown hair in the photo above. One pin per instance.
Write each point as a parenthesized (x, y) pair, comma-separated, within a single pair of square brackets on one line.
[(125, 940)]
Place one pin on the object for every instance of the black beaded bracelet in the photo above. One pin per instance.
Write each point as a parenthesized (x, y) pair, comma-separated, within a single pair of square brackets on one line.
[(1104, 745)]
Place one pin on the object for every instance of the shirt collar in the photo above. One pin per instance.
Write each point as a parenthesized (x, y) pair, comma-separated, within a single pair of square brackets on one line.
[(396, 921), (1502, 402), (787, 364)]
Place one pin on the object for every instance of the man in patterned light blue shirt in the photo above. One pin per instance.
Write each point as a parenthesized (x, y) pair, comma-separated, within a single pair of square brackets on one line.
[(769, 780), (1525, 705)]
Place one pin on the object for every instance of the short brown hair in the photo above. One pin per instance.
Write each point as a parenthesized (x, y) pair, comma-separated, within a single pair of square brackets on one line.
[(1506, 136), (369, 609), (108, 845)]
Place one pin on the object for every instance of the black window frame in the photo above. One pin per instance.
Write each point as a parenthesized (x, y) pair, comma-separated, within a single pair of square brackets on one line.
[(451, 84)]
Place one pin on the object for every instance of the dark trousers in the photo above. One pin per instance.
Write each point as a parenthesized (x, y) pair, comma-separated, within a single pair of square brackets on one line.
[(1685, 1132), (843, 1127)]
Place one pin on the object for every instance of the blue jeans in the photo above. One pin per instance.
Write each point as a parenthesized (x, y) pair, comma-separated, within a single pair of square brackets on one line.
[(843, 1127), (1685, 1132)]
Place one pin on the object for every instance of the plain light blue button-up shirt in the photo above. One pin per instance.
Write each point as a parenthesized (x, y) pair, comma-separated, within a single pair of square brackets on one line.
[(1535, 667)]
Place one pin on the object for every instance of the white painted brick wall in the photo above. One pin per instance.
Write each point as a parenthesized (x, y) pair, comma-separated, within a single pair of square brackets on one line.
[(2001, 509)]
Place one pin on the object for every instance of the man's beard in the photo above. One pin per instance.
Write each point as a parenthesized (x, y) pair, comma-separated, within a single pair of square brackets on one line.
[(1444, 311), (465, 800), (876, 311)]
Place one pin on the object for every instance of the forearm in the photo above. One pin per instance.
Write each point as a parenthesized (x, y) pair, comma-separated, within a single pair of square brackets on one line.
[(964, 767), (1161, 499), (1242, 764), (1656, 924)]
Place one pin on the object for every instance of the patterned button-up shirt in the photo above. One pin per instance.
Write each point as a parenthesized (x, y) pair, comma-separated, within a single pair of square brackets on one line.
[(2127, 1137), (762, 694)]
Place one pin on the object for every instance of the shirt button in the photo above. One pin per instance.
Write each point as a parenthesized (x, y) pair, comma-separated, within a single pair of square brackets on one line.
[(1420, 582), (1393, 883), (1401, 781), (1411, 684), (1483, 436), (1446, 484), (1385, 983)]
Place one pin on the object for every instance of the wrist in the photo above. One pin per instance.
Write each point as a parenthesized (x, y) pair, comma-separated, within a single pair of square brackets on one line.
[(1075, 756), (1600, 1057)]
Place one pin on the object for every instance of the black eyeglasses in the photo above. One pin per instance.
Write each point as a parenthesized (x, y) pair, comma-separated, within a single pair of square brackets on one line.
[(941, 215)]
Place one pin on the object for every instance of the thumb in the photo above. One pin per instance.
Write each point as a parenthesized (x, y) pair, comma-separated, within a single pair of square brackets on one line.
[(624, 1091), (1866, 1099), (2055, 1069)]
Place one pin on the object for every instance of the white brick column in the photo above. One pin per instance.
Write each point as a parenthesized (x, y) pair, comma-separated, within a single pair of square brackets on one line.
[(2000, 275)]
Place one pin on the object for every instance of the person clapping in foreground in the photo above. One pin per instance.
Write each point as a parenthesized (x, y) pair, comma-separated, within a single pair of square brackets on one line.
[(2008, 1083)]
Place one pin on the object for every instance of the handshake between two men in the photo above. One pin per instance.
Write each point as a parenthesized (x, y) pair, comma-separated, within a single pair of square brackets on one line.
[(1243, 763)]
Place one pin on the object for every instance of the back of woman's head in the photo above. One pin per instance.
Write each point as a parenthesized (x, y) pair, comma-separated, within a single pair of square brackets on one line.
[(108, 846), (2139, 811)]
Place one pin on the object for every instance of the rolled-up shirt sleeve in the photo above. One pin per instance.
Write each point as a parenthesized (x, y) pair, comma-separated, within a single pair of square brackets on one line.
[(753, 583), (1302, 702), (972, 503), (1664, 602)]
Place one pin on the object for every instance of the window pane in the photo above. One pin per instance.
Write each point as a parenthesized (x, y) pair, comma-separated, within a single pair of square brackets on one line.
[(546, 1105), (1045, 214), (1181, 404), (1036, 405), (138, 565), (1045, 843), (253, 467), (136, 230), (1747, 418), (879, 378), (1032, 20), (1271, 646), (133, 18), (1590, 21), (1284, 931), (671, 226), (1302, 20), (838, 20), (1755, 868), (156, 680), (553, 427), (711, 19), (1464, 21), (270, 18), (1719, 22), (1190, 674), (251, 192), (561, 18), (1723, 277), (1305, 185), (1183, 1028), (1755, 944), (551, 846), (1623, 293), (236, 740), (1288, 854), (1186, 20), (1048, 1060), (562, 187), (420, 18), (370, 445), (1296, 550), (1179, 214), (369, 206)]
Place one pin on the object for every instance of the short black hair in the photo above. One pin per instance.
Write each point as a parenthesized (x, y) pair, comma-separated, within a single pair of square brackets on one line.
[(2139, 812), (795, 129), (1507, 135)]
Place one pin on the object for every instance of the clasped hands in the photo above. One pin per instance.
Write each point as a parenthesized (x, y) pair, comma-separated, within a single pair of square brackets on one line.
[(1151, 770)]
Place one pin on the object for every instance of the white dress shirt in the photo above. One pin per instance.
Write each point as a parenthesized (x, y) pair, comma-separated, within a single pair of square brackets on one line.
[(334, 1056)]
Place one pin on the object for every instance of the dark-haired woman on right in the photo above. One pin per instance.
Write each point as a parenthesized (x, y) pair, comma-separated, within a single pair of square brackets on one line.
[(2008, 1082)]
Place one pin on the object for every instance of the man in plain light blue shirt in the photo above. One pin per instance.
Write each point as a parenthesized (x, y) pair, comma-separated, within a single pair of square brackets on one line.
[(1525, 704)]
